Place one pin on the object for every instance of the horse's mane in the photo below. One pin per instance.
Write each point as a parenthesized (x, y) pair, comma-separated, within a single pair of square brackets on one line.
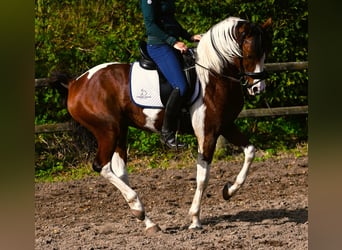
[(218, 42)]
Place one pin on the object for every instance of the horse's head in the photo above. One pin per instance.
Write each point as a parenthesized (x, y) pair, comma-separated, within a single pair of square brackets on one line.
[(255, 43), (235, 49)]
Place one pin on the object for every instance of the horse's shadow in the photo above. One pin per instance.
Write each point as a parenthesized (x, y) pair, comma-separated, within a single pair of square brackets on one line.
[(268, 216), (299, 216)]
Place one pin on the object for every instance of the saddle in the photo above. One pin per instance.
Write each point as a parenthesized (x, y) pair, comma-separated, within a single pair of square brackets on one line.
[(188, 61), (146, 61)]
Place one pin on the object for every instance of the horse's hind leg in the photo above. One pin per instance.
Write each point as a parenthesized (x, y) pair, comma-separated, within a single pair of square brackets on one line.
[(130, 196), (234, 136), (114, 169)]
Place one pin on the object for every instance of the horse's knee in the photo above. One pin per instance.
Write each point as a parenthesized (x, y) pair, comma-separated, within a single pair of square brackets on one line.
[(124, 178), (203, 171), (202, 181)]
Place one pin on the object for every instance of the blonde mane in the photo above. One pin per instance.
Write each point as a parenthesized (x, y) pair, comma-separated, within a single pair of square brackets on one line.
[(225, 47)]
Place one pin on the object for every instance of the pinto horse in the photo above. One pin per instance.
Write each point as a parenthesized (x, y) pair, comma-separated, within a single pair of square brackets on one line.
[(229, 56)]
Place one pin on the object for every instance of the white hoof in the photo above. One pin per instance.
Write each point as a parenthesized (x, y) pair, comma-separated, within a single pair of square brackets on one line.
[(152, 230), (195, 226)]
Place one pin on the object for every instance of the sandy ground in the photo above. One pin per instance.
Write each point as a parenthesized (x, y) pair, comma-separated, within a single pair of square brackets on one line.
[(269, 212)]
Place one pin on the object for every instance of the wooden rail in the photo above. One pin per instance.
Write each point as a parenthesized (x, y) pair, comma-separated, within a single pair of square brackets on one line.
[(53, 128), (296, 110), (41, 82), (287, 66)]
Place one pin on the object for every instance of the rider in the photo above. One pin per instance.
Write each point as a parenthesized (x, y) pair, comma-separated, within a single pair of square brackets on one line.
[(164, 47)]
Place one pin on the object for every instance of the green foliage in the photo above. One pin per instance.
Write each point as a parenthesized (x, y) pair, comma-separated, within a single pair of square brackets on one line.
[(48, 107), (143, 142), (278, 133), (77, 35), (80, 34), (47, 174)]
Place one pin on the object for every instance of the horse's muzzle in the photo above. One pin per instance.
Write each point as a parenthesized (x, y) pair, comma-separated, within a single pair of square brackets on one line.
[(257, 88), (258, 85)]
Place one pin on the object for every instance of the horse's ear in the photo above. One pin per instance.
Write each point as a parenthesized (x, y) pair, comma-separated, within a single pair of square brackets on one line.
[(267, 24)]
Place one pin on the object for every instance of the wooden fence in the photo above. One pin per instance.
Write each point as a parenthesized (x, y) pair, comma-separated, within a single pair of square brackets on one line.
[(271, 67)]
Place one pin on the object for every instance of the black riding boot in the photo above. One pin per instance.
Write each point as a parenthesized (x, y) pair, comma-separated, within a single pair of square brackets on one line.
[(172, 110)]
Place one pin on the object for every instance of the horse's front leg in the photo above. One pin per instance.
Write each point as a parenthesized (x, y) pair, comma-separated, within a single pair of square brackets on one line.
[(229, 190), (202, 179), (237, 138)]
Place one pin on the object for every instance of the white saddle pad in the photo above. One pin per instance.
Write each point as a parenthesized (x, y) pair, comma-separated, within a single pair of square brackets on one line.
[(144, 86)]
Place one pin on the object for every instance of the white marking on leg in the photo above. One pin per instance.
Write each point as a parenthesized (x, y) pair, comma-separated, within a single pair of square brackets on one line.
[(240, 179), (119, 167), (151, 117), (128, 193), (203, 172), (148, 222), (197, 112)]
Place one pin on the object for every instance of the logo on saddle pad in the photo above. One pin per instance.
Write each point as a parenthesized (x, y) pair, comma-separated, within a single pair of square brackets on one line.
[(148, 90), (143, 94)]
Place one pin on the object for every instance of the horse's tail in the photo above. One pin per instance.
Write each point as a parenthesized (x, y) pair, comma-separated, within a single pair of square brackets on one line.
[(60, 81)]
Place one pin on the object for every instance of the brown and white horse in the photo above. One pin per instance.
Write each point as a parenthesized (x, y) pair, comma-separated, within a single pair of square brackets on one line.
[(229, 55)]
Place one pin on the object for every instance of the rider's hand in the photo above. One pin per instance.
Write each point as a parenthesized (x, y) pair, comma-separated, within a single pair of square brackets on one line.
[(181, 47), (196, 38)]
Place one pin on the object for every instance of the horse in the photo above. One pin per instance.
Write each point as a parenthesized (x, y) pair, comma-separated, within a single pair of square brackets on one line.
[(229, 59)]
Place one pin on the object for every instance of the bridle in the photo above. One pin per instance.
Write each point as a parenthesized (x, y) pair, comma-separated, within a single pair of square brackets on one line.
[(242, 73), (260, 76), (254, 75)]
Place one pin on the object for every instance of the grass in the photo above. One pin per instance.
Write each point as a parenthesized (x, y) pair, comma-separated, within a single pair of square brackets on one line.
[(59, 173)]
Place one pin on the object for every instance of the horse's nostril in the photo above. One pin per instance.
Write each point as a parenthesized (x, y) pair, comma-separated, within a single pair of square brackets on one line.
[(255, 89)]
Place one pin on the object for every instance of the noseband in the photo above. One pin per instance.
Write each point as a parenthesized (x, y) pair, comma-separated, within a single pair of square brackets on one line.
[(254, 75)]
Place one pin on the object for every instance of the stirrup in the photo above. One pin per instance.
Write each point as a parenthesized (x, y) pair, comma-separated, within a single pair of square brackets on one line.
[(169, 139)]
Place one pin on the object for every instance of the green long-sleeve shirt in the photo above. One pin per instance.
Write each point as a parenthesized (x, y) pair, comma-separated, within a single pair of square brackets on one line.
[(160, 23)]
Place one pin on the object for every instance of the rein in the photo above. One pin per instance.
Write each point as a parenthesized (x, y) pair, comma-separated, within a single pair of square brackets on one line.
[(259, 75), (222, 75), (192, 53)]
